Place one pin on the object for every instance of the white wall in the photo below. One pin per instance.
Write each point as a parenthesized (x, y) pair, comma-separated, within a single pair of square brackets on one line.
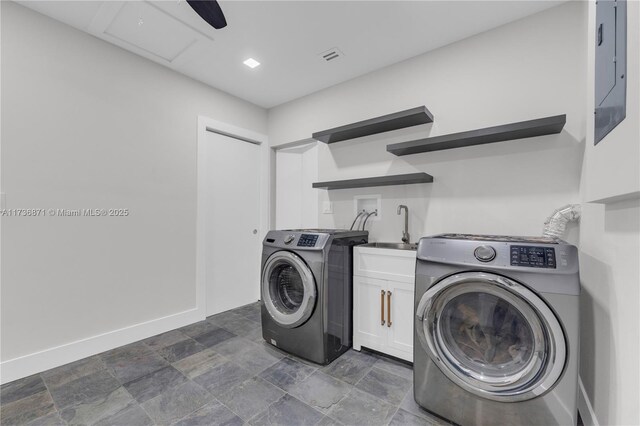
[(610, 249), (611, 167), (89, 125), (609, 341), (513, 73)]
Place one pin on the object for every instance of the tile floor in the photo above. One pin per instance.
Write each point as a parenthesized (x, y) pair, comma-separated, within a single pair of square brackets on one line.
[(215, 372)]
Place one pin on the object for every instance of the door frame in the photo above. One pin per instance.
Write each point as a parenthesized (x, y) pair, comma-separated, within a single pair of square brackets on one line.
[(301, 147), (242, 135)]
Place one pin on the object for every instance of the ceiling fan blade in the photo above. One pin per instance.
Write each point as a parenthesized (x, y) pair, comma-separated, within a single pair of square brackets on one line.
[(210, 11)]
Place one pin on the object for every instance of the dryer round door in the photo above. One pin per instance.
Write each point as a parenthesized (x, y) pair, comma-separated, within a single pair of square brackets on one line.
[(288, 289), (492, 336)]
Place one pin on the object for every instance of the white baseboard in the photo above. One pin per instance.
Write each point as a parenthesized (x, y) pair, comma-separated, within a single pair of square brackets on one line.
[(37, 362), (584, 406)]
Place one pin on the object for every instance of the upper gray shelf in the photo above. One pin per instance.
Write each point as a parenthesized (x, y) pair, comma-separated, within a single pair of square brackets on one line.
[(520, 130), (385, 123), (376, 181)]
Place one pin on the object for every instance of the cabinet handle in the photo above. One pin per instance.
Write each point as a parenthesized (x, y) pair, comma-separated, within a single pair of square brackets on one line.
[(382, 307), (388, 309)]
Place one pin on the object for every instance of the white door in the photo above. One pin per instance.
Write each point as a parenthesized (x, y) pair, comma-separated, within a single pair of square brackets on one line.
[(296, 200), (400, 306), (232, 221), (369, 313)]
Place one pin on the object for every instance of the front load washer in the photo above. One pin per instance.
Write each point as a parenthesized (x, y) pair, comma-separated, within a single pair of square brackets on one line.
[(307, 291), (496, 329)]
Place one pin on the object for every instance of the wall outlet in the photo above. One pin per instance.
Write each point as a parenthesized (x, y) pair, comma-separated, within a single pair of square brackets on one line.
[(327, 207)]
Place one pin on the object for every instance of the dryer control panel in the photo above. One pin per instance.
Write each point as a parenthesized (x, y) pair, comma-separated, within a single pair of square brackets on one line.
[(307, 240), (533, 257)]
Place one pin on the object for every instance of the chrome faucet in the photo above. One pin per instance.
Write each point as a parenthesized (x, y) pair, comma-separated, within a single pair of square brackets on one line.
[(405, 232)]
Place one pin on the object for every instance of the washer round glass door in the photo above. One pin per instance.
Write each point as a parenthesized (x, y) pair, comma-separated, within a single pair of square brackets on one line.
[(492, 336), (288, 289)]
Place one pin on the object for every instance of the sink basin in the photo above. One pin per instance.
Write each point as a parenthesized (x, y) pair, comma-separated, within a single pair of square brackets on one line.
[(393, 246)]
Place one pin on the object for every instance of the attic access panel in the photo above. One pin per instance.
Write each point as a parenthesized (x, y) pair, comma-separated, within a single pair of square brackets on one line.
[(610, 66)]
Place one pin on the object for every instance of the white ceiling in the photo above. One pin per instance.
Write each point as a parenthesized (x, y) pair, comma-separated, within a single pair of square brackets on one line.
[(285, 36)]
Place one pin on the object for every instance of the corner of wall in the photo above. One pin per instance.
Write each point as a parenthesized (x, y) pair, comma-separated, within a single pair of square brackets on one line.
[(585, 408)]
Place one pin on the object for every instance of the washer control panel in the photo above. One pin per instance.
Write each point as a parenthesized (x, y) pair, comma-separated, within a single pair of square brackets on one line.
[(307, 240), (533, 257), (289, 239)]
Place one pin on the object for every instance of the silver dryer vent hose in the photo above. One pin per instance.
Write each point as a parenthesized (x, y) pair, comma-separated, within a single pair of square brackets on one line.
[(555, 224)]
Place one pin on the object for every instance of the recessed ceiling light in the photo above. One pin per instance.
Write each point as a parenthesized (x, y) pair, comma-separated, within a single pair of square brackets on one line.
[(251, 63)]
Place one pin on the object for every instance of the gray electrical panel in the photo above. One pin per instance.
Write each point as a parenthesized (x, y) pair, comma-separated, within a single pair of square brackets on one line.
[(611, 66)]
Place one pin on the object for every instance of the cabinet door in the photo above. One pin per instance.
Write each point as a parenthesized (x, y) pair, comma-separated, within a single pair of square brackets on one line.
[(400, 336), (368, 304)]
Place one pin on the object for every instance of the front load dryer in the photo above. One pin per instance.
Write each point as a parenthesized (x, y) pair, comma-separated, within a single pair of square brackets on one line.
[(496, 329), (307, 291)]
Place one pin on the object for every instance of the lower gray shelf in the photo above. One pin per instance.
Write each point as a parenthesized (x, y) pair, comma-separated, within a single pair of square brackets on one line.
[(407, 179)]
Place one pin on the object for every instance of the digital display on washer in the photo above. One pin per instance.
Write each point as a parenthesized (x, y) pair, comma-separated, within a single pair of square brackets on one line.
[(307, 240), (533, 257)]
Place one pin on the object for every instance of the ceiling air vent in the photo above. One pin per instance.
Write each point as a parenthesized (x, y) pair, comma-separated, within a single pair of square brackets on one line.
[(331, 54)]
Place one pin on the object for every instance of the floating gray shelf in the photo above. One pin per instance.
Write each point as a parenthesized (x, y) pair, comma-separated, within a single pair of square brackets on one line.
[(376, 181), (385, 123), (520, 130)]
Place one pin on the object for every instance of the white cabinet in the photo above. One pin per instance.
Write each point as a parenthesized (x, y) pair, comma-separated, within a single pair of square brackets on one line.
[(400, 336), (368, 312), (383, 300)]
